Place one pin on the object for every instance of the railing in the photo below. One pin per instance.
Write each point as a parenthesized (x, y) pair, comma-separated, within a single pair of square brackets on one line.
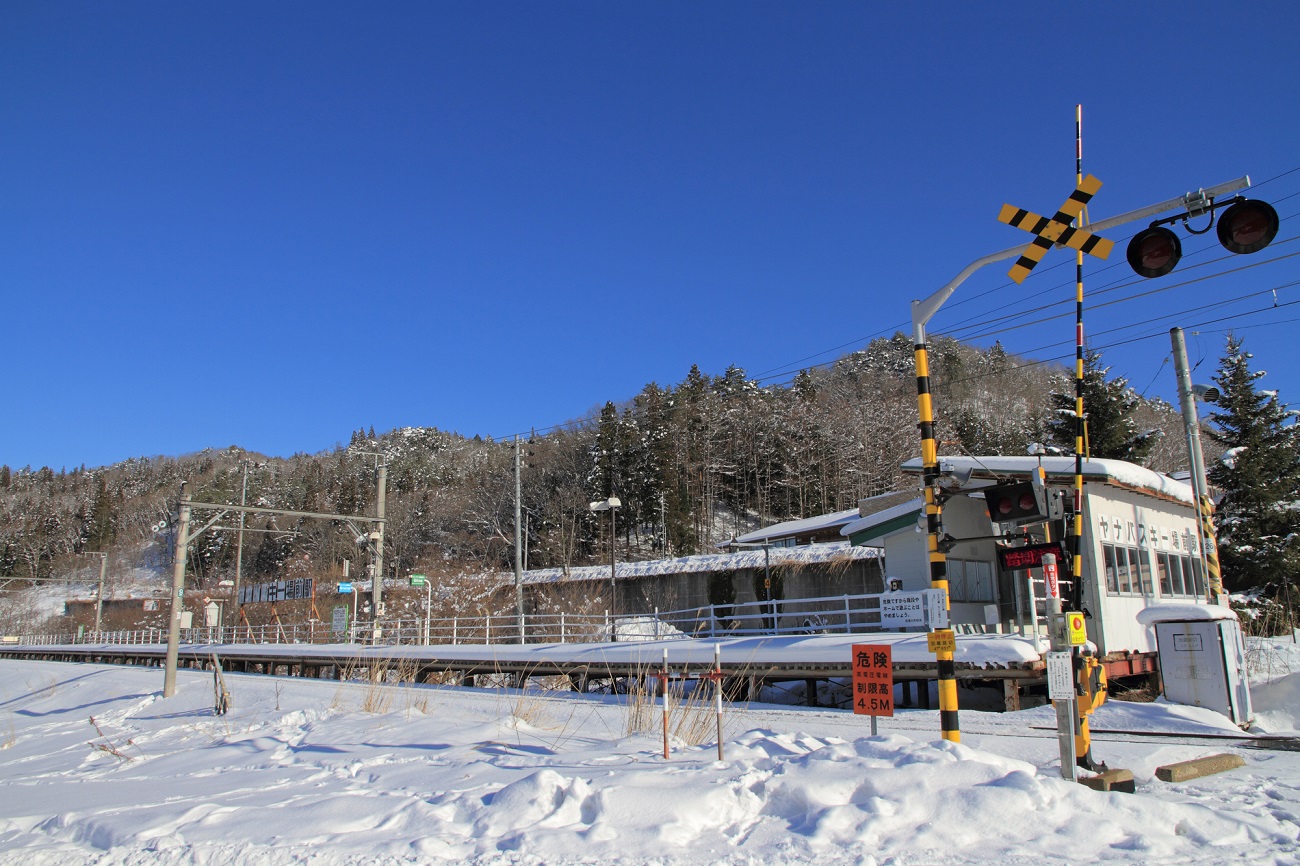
[(846, 614)]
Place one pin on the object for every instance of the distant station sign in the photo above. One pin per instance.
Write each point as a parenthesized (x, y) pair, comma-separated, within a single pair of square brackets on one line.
[(873, 679), (275, 591)]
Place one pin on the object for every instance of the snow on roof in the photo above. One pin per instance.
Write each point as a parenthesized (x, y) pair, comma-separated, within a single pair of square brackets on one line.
[(1183, 613), (882, 517), (705, 563), (795, 527), (1119, 473)]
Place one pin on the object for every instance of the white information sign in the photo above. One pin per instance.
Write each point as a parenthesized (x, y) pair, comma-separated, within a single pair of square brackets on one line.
[(913, 610), (936, 611), (1052, 579), (340, 621), (1060, 676), (902, 610)]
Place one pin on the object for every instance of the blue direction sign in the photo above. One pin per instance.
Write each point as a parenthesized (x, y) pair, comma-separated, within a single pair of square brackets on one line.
[(345, 588)]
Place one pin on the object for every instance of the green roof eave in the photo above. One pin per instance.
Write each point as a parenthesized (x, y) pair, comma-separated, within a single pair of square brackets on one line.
[(882, 529)]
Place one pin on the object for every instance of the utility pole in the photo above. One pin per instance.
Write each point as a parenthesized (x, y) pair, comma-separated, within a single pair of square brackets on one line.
[(519, 567), (178, 596), (239, 550), (1200, 487), (663, 522), (99, 596), (377, 583)]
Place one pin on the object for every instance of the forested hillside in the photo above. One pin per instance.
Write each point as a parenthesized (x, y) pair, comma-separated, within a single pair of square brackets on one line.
[(693, 463)]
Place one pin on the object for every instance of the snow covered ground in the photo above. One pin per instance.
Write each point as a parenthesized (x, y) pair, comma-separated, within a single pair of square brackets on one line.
[(95, 767)]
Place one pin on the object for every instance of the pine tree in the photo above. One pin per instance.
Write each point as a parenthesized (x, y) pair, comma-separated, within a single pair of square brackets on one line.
[(1258, 514), (1109, 407)]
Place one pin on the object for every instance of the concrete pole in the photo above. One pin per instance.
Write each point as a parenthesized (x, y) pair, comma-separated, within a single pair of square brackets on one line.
[(178, 597), (99, 598), (377, 583), (239, 549), (519, 556), (1196, 460)]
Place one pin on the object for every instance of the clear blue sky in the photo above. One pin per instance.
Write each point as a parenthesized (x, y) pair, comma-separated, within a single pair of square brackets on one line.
[(269, 224)]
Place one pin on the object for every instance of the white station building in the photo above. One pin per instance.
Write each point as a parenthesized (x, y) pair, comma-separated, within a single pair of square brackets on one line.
[(1140, 548)]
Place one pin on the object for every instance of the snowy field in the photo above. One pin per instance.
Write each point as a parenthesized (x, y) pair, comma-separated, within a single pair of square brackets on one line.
[(96, 768)]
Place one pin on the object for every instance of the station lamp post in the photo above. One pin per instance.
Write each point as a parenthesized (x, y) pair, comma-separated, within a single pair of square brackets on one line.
[(611, 505)]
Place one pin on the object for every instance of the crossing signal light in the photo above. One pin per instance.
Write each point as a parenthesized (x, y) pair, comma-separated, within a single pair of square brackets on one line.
[(1246, 226), (1018, 504), (1154, 252)]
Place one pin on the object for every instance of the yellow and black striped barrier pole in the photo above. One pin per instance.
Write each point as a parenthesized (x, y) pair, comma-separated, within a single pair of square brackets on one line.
[(1211, 551), (1204, 505), (1085, 706), (942, 639)]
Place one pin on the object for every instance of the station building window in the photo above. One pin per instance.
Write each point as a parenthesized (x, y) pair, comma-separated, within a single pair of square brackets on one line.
[(1180, 575), (1127, 570), (970, 580)]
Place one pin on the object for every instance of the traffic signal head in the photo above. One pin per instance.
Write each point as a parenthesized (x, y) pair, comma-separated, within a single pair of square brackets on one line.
[(1018, 504), (1246, 226)]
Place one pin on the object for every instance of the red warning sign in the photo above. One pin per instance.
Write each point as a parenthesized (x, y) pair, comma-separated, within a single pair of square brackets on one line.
[(873, 679)]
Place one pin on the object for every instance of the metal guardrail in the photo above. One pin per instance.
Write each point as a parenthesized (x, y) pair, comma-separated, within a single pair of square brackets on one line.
[(846, 614)]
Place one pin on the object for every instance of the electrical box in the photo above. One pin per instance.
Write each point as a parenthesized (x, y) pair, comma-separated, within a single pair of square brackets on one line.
[(1203, 664)]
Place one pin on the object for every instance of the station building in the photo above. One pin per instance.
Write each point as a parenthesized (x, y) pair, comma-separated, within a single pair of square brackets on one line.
[(1140, 547)]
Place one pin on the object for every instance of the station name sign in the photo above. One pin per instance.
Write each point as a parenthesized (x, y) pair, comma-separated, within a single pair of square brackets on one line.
[(1030, 556), (276, 590)]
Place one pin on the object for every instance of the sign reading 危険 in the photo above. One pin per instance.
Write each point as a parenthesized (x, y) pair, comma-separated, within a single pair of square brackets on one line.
[(873, 680)]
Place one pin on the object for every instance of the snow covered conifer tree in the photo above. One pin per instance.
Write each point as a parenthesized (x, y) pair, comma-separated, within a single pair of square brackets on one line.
[(1109, 407), (1258, 477)]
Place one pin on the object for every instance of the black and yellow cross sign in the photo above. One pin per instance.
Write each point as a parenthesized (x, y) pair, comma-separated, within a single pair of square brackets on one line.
[(1056, 230)]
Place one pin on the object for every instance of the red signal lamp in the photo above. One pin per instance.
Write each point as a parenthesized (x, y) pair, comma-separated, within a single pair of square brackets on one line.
[(1247, 226), (1154, 252)]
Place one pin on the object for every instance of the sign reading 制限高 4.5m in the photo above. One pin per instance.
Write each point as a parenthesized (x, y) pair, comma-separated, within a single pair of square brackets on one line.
[(276, 590), (873, 679)]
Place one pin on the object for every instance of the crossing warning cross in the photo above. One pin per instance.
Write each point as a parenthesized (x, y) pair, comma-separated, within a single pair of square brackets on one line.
[(1056, 230)]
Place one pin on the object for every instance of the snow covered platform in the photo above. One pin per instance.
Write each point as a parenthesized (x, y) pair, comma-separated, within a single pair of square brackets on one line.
[(1013, 660)]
